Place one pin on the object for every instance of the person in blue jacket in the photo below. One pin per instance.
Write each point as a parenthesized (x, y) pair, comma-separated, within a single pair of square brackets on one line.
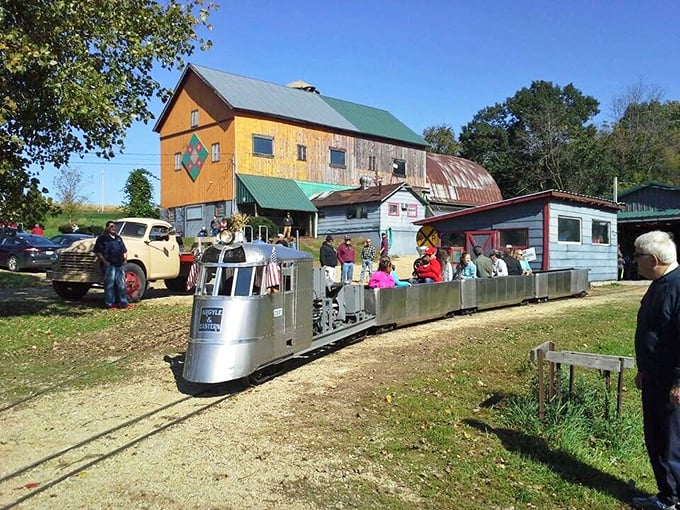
[(657, 351)]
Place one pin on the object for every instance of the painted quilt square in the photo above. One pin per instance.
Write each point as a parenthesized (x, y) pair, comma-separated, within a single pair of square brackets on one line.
[(194, 157)]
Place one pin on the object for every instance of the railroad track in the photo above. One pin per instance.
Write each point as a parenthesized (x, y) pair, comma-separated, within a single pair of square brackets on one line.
[(103, 439)]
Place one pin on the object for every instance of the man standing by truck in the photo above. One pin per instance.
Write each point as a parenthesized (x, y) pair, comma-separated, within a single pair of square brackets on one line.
[(111, 252)]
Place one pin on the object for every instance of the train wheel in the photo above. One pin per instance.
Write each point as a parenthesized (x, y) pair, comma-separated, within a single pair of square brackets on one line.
[(135, 282), (264, 374)]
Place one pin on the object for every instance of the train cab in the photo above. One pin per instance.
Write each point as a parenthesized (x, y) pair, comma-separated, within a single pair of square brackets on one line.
[(250, 309)]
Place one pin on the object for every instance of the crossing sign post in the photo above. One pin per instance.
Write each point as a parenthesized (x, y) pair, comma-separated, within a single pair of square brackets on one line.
[(427, 236)]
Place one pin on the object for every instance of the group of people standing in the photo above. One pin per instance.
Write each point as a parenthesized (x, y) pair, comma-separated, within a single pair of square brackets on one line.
[(345, 256)]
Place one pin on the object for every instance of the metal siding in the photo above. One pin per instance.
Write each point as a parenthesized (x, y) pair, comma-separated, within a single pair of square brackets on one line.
[(274, 193), (458, 180)]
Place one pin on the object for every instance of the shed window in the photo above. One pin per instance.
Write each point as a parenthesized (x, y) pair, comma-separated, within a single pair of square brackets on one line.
[(338, 158), (412, 210), (600, 232), (399, 168), (354, 213), (568, 229), (393, 209), (517, 237), (263, 145)]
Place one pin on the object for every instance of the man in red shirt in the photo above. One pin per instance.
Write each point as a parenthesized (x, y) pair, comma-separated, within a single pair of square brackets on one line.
[(430, 270), (37, 230)]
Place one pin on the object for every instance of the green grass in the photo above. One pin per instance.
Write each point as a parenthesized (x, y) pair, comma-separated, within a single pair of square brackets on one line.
[(19, 280), (85, 217), (436, 443)]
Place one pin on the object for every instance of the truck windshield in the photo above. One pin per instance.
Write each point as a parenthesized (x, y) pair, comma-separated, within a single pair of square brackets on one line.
[(130, 229)]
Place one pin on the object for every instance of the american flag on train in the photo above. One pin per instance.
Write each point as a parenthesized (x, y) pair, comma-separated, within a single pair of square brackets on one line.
[(193, 272), (272, 271)]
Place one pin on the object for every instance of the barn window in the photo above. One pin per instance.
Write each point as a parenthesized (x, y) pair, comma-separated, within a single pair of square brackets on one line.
[(399, 168), (178, 161), (302, 152), (215, 152), (337, 158), (371, 163), (263, 145), (194, 118), (568, 230), (600, 232)]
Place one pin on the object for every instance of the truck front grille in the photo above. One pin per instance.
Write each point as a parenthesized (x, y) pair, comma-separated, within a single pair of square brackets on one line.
[(77, 262)]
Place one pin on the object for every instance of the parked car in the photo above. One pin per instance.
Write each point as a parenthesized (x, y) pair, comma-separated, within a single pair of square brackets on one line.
[(26, 251), (66, 240)]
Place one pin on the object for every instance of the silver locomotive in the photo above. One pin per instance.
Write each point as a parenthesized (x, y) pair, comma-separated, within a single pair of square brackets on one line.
[(258, 305)]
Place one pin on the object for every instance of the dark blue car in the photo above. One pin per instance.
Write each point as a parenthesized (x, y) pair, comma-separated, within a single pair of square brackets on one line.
[(26, 251)]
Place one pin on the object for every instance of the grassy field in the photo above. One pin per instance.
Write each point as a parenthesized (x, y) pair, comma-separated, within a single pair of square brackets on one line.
[(437, 433), (85, 217)]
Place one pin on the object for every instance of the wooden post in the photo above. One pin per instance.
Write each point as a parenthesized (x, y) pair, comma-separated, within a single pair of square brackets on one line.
[(619, 388), (541, 387), (608, 388), (571, 381)]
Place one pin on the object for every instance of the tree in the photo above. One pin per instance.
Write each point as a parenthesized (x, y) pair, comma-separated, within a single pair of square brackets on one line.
[(68, 185), (74, 75), (23, 200), (442, 140), (644, 139), (139, 192), (538, 139)]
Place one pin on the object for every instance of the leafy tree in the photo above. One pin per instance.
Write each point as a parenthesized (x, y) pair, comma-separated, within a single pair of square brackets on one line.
[(22, 199), (538, 139), (74, 75), (139, 192), (644, 140), (68, 185), (442, 140)]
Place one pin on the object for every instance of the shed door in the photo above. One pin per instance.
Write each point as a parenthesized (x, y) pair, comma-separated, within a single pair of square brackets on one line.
[(487, 239)]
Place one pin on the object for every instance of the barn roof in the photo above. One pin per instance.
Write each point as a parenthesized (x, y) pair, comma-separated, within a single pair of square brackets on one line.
[(251, 95), (460, 181)]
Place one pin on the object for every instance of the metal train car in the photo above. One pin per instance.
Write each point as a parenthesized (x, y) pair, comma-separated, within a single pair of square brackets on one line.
[(258, 305)]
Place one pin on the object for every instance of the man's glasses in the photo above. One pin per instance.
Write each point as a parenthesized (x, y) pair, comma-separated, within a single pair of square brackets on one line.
[(638, 255)]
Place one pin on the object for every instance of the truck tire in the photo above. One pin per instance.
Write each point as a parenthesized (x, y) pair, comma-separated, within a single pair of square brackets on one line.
[(70, 290), (135, 282), (178, 285)]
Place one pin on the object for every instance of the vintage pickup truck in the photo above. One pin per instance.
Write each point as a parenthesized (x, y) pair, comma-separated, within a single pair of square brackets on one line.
[(154, 253)]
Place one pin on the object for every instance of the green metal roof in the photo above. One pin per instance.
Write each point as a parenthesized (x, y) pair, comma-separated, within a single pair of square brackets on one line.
[(313, 188), (648, 215), (272, 193), (373, 121)]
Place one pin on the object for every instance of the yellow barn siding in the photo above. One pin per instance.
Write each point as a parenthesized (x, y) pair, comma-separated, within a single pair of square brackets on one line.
[(215, 125)]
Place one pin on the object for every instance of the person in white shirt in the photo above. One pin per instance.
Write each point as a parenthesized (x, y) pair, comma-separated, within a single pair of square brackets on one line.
[(500, 268)]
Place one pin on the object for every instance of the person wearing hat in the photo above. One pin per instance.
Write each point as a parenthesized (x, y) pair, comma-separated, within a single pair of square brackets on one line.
[(346, 259), (429, 270), (328, 258), (203, 232), (368, 253), (514, 267)]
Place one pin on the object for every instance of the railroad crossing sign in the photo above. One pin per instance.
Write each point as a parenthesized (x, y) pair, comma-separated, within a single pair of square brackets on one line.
[(427, 236)]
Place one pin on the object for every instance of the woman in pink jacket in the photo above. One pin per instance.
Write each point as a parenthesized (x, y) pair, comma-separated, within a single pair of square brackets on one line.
[(382, 278)]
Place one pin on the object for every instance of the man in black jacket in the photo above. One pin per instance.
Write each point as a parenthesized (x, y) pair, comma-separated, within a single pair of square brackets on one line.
[(657, 349), (514, 267), (328, 258)]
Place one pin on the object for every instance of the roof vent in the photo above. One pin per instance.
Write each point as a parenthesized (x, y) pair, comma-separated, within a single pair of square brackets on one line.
[(365, 181), (302, 85)]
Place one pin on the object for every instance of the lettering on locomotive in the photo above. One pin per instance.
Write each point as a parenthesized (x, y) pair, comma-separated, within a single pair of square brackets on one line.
[(210, 319)]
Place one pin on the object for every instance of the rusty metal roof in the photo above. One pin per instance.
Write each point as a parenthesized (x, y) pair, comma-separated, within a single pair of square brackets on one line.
[(460, 181), (356, 196)]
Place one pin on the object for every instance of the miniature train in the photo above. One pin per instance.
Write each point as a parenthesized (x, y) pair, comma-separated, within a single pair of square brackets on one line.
[(258, 305)]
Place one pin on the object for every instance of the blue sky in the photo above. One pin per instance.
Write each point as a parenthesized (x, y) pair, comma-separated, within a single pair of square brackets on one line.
[(429, 63)]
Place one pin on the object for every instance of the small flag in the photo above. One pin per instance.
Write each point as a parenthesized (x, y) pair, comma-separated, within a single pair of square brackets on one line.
[(193, 273), (272, 271)]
